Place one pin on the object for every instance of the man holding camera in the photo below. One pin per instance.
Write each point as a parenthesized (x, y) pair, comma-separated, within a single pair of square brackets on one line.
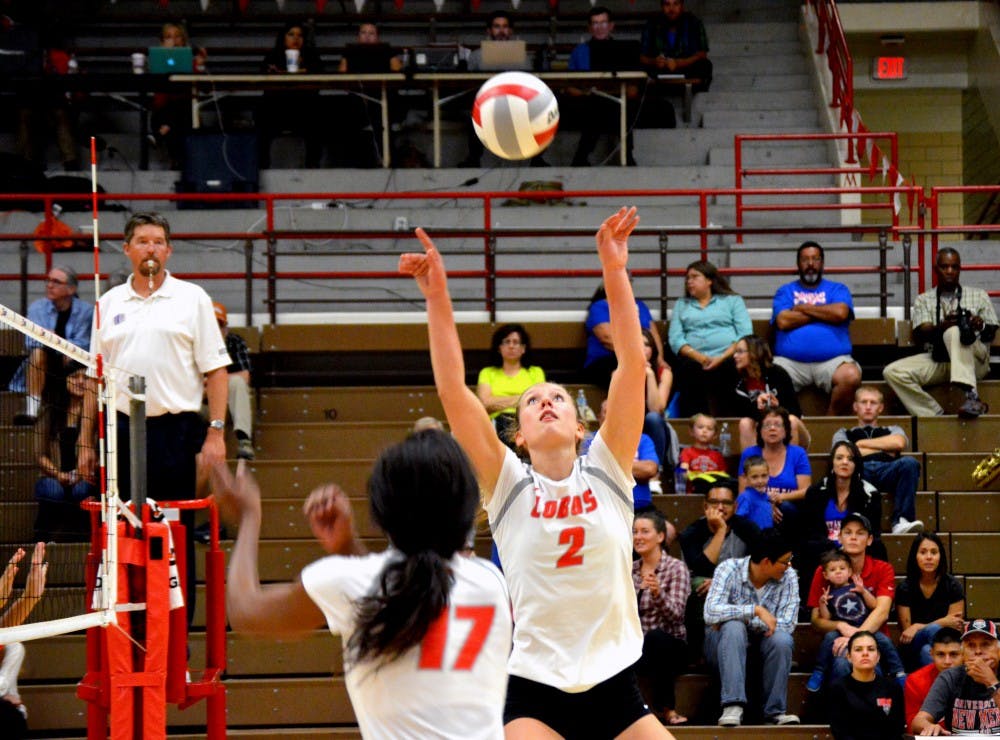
[(955, 325)]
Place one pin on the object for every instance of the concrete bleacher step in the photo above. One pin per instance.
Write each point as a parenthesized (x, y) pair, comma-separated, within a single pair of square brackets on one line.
[(763, 81), (789, 100), (771, 121)]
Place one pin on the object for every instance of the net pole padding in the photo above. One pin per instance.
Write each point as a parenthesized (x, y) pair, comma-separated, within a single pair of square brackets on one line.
[(157, 598), (209, 685)]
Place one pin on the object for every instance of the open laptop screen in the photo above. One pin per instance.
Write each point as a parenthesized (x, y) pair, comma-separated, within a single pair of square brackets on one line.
[(170, 60)]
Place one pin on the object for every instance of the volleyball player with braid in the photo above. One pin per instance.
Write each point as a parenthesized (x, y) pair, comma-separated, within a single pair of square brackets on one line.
[(426, 628)]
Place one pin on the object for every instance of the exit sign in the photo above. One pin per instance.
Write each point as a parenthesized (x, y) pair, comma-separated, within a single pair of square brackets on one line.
[(889, 68)]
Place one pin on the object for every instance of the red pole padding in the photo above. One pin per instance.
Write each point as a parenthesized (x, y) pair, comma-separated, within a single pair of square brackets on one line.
[(154, 695), (177, 657)]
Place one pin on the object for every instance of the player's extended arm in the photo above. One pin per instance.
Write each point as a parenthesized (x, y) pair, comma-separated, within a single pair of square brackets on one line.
[(34, 587), (277, 609)]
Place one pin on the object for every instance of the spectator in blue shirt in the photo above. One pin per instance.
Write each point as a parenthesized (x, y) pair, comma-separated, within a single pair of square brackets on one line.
[(600, 361), (62, 312), (753, 502), (813, 341), (752, 605)]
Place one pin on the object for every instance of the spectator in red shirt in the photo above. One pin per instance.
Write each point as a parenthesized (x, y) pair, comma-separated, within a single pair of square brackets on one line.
[(946, 652), (876, 575)]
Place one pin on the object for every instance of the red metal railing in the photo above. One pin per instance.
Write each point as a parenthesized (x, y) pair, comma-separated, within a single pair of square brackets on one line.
[(867, 148), (832, 41), (491, 237)]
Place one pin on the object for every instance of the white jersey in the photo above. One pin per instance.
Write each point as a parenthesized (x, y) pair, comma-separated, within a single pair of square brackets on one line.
[(454, 684), (566, 550), (170, 338)]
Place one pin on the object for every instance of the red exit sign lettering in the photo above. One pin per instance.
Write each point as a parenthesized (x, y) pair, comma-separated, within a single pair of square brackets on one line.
[(889, 68)]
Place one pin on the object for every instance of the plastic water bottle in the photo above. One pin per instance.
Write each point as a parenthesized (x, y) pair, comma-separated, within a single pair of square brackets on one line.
[(583, 410), (725, 440), (680, 480)]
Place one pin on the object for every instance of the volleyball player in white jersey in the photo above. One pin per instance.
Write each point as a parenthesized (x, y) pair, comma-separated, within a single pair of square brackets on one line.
[(563, 523), (426, 629)]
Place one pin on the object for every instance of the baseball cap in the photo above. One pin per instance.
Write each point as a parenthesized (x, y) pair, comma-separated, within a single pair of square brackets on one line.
[(981, 626), (220, 313), (861, 519)]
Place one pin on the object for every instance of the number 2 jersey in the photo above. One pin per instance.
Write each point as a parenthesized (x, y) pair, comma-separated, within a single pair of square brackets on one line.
[(566, 549), (453, 684)]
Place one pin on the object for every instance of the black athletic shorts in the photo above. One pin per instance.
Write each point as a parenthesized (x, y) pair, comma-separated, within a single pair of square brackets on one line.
[(603, 711)]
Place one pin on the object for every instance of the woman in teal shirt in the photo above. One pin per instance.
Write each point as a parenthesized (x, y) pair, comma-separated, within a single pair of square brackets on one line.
[(509, 375), (704, 328)]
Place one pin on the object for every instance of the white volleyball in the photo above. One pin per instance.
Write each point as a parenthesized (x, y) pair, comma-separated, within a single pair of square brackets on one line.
[(515, 115)]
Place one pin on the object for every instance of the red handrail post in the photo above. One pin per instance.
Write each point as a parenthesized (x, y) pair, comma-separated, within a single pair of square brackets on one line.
[(738, 177)]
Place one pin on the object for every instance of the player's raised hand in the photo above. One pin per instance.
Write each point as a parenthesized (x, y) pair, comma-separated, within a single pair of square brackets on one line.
[(34, 587), (427, 268), (612, 237), (236, 496), (328, 512), (7, 579)]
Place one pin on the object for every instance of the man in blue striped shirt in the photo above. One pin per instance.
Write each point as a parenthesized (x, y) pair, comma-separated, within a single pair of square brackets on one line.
[(752, 605)]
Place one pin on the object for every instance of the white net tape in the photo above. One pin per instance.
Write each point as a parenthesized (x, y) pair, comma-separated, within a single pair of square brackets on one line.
[(74, 611)]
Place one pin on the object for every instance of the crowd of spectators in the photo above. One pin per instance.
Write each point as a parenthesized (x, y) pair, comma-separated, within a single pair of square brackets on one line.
[(672, 48)]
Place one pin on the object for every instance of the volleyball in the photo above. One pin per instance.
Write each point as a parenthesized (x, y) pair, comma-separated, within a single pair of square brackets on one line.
[(515, 115)]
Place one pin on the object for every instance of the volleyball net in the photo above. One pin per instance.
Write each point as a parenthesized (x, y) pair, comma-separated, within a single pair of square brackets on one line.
[(43, 482)]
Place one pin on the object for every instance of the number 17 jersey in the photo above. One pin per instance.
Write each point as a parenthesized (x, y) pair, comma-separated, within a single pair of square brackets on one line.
[(566, 550)]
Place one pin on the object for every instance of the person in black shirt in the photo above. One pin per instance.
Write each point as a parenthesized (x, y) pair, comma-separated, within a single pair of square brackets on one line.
[(864, 705)]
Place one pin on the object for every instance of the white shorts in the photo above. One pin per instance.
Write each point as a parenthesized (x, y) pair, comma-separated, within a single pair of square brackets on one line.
[(819, 374)]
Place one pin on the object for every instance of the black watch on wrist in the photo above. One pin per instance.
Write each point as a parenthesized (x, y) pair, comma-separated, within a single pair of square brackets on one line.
[(995, 687)]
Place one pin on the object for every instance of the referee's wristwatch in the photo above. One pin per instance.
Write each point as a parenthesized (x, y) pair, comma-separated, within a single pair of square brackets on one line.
[(217, 424)]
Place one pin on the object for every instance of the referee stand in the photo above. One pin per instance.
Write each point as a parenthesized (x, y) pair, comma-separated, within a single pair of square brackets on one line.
[(139, 664)]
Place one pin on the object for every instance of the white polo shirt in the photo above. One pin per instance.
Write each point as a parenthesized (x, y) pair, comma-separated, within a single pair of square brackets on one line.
[(566, 549), (451, 686), (171, 338)]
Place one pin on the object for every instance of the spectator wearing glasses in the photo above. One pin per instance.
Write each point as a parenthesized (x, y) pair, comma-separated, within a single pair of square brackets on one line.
[(717, 536), (752, 606), (510, 373), (62, 312)]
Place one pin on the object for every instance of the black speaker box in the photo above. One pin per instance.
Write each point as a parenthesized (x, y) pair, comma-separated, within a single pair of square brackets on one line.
[(219, 163)]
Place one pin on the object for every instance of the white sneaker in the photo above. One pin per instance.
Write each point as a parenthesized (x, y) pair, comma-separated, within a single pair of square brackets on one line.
[(905, 526), (784, 719), (732, 716)]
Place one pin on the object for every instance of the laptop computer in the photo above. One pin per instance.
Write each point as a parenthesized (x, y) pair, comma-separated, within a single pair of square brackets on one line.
[(165, 60), (368, 58), (504, 55), (614, 55)]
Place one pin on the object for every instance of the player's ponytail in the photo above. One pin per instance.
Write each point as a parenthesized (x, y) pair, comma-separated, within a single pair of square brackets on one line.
[(424, 496)]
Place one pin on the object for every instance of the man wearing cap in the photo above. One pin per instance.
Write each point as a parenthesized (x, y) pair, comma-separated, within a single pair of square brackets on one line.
[(966, 697), (239, 384), (63, 313), (876, 575)]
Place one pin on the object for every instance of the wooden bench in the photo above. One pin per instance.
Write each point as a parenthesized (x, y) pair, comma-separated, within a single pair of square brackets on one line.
[(952, 471), (982, 596), (949, 434)]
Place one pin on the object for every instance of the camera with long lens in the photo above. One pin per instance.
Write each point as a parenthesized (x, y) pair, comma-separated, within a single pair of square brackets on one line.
[(966, 334)]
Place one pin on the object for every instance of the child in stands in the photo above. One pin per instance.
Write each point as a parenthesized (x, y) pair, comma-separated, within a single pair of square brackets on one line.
[(700, 456), (753, 502), (846, 599)]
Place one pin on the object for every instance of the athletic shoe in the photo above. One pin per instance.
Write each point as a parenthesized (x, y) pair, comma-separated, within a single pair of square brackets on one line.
[(245, 451), (815, 682), (732, 716), (905, 526), (973, 407), (783, 719)]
